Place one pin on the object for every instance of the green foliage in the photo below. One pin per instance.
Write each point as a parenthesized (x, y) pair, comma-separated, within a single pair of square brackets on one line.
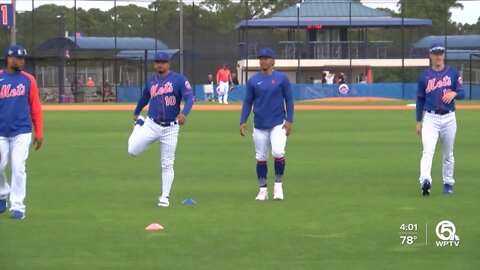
[(438, 11), (214, 16), (215, 20)]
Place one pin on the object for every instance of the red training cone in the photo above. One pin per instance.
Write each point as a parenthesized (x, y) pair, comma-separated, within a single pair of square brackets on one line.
[(154, 227)]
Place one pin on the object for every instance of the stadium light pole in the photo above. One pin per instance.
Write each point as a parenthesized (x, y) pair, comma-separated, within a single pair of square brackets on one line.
[(181, 35), (155, 8), (33, 26), (297, 36), (349, 42), (13, 28), (246, 42), (470, 72), (61, 66)]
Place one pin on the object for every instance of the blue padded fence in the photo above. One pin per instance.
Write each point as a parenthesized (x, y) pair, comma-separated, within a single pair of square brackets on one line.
[(314, 91)]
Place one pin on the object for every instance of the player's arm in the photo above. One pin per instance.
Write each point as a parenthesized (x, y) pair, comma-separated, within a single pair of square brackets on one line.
[(288, 95), (36, 113), (187, 95), (246, 108), (458, 87), (142, 102), (420, 104)]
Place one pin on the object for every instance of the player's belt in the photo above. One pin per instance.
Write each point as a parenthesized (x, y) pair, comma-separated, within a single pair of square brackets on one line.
[(439, 112), (164, 124)]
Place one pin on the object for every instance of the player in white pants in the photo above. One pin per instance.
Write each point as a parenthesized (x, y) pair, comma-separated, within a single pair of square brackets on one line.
[(224, 76), (144, 135), (15, 148), (19, 108), (165, 91), (270, 94), (266, 140), (438, 86), (223, 92)]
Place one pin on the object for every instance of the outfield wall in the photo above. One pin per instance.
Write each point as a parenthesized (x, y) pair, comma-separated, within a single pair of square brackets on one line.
[(315, 91)]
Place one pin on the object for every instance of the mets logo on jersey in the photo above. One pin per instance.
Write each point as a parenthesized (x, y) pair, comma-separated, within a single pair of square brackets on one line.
[(7, 92), (158, 91), (432, 85), (343, 89), (187, 85), (460, 80)]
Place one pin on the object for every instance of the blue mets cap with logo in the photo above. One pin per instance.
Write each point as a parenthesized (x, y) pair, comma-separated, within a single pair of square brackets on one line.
[(161, 57), (437, 48), (266, 52), (16, 51)]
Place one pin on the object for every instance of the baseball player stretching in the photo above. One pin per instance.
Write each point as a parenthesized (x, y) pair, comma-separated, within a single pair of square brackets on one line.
[(269, 92), (19, 107), (165, 91), (438, 86)]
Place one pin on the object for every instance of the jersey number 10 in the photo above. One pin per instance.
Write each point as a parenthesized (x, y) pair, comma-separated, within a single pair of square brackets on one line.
[(170, 101)]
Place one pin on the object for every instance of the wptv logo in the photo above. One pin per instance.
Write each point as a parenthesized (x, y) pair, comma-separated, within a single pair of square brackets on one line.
[(447, 233)]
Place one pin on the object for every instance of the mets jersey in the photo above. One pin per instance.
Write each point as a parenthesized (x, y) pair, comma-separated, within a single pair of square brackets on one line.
[(432, 85), (272, 100), (19, 105), (165, 95)]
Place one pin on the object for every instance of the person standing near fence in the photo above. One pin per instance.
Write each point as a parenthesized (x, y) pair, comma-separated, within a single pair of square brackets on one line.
[(224, 77), (90, 82), (19, 108), (211, 85)]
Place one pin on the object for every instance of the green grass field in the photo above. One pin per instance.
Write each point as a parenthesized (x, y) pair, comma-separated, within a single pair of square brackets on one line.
[(351, 181)]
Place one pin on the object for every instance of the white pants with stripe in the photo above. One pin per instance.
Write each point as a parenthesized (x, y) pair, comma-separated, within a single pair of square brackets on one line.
[(274, 139), (150, 132), (224, 92), (16, 149), (434, 127)]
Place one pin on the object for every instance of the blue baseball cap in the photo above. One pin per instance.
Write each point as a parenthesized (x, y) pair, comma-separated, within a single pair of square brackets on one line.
[(16, 51), (161, 57), (266, 52), (437, 48)]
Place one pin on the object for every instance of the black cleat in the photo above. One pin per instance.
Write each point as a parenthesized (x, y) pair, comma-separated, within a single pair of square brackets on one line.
[(425, 188)]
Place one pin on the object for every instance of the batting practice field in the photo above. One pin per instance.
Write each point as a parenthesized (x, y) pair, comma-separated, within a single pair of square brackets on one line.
[(352, 197)]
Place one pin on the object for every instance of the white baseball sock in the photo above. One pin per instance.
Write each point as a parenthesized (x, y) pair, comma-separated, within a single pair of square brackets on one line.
[(167, 181)]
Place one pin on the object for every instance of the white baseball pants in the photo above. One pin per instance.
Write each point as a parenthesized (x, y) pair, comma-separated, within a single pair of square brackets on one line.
[(224, 92), (266, 139), (434, 127), (143, 136), (14, 148)]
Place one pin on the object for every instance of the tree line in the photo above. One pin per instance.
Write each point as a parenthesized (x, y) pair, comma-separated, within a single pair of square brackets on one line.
[(209, 25)]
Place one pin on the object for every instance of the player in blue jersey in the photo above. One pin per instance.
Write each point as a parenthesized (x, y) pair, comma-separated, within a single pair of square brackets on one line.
[(165, 90), (19, 109), (438, 87), (270, 95)]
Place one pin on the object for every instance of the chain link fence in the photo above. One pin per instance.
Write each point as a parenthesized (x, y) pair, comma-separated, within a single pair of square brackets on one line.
[(100, 51)]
